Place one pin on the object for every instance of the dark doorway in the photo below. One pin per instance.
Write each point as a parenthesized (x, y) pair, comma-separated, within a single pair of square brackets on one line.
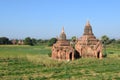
[(77, 54), (71, 56), (98, 54)]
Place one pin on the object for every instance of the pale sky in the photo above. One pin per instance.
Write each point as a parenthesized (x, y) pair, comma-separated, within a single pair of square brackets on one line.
[(44, 19)]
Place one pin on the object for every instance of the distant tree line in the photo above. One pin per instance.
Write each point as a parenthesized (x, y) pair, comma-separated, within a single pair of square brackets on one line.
[(27, 41), (5, 40), (32, 41), (106, 40)]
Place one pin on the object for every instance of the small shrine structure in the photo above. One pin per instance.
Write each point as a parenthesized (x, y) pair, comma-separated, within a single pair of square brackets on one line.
[(62, 50)]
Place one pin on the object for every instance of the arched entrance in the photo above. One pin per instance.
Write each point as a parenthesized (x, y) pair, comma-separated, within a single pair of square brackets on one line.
[(70, 55), (98, 54), (76, 54)]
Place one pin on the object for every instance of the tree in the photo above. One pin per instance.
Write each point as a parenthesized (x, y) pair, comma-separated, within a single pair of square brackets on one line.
[(112, 41), (28, 41), (34, 41), (105, 39), (74, 38), (52, 41), (72, 42), (4, 40)]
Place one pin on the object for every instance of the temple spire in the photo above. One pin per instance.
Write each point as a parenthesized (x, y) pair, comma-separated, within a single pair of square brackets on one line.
[(63, 30), (63, 35), (88, 29), (88, 23)]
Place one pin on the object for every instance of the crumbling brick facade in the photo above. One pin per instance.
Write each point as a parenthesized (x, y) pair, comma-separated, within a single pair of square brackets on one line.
[(62, 50), (86, 46)]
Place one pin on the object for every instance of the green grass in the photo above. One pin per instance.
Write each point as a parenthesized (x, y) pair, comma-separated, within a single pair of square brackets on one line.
[(33, 63), (16, 50)]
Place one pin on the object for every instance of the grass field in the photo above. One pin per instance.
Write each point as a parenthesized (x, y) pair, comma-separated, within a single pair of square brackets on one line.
[(33, 63)]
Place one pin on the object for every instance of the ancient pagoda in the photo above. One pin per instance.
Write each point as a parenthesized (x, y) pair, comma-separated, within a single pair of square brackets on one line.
[(62, 50), (88, 45)]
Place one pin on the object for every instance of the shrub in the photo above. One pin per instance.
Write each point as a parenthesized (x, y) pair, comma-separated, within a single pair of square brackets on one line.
[(104, 55), (49, 54), (52, 41)]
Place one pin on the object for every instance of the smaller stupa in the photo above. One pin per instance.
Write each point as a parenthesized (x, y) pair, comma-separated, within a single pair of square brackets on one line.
[(62, 50)]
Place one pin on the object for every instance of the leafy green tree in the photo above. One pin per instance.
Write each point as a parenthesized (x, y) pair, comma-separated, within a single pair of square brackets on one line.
[(52, 41), (28, 41), (112, 41), (105, 39), (4, 40), (74, 38), (72, 42), (34, 41), (42, 42)]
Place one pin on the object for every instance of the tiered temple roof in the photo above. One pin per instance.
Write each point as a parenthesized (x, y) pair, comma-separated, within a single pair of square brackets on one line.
[(88, 43), (62, 50), (86, 46)]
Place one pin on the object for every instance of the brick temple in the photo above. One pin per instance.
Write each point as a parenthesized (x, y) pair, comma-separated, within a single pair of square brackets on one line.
[(62, 50), (86, 46)]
